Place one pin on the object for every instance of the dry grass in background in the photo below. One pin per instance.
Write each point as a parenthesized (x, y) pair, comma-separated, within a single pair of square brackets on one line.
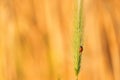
[(35, 40)]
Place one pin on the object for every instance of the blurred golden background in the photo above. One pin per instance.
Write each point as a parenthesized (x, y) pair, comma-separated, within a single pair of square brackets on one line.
[(36, 40)]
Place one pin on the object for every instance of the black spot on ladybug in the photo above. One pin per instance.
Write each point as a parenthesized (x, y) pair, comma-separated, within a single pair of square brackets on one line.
[(81, 49)]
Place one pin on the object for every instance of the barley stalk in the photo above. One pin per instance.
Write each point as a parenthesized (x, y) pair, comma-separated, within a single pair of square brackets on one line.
[(78, 35)]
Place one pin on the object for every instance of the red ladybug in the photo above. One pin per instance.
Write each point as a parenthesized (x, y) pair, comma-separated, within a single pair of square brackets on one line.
[(80, 49)]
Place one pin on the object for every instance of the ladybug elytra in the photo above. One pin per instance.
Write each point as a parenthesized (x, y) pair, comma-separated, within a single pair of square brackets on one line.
[(81, 49)]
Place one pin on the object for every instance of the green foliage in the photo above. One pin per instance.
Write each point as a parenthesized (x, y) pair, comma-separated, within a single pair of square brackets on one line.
[(78, 34)]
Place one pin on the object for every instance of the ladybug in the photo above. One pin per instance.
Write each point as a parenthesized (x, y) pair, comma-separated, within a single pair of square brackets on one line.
[(81, 49)]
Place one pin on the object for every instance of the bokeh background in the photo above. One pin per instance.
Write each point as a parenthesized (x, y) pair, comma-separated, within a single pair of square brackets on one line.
[(36, 40)]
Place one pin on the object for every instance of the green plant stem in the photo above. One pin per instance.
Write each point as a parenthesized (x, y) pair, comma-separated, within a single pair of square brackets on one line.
[(78, 35), (76, 77)]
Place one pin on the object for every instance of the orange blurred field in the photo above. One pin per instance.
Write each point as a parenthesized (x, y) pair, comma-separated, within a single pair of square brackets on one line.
[(36, 40)]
